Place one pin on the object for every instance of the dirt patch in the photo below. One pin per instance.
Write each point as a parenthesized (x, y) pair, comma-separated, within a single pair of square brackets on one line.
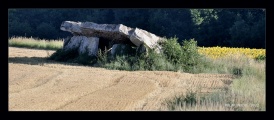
[(39, 84)]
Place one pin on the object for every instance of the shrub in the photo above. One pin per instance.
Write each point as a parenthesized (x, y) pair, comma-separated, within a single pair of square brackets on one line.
[(186, 56), (119, 63), (102, 57), (260, 57), (191, 59), (172, 50)]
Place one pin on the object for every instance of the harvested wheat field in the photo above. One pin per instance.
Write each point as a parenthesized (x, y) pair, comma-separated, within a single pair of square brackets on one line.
[(37, 84)]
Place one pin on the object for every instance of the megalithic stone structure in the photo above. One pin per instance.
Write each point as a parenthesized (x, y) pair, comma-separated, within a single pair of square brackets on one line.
[(118, 33)]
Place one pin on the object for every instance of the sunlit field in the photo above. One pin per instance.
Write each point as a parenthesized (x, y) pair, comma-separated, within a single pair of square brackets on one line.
[(233, 80)]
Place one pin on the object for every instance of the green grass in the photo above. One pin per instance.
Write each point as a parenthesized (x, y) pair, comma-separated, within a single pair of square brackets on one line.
[(35, 43), (246, 93)]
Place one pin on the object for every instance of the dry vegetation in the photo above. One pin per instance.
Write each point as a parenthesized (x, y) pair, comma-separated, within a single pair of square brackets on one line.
[(228, 83), (39, 84), (35, 43)]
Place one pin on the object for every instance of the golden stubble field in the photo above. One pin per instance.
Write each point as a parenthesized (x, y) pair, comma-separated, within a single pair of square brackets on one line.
[(37, 84)]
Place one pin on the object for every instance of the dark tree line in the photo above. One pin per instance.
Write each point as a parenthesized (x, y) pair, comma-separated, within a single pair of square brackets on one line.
[(210, 27)]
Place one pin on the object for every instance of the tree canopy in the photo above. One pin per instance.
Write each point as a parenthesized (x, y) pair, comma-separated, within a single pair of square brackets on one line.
[(210, 27)]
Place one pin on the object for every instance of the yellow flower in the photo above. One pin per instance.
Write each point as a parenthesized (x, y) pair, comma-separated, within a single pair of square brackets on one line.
[(219, 52)]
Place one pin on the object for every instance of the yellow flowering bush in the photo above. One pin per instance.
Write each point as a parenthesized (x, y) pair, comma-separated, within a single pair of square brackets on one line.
[(218, 52)]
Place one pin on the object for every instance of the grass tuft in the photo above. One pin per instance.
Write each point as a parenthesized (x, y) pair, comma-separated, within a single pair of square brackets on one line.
[(35, 43)]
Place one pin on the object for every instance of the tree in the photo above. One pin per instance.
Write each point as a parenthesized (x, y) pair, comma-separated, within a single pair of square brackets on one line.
[(45, 30), (171, 22), (210, 27), (248, 29)]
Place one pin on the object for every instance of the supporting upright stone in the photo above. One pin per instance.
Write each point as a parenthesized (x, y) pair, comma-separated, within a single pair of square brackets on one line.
[(83, 44), (72, 43), (89, 45)]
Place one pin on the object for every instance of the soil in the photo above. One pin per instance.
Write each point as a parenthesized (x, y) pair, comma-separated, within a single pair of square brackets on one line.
[(38, 84)]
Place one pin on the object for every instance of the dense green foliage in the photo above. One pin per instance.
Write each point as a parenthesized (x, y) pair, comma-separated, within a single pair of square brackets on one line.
[(185, 56), (181, 58), (210, 27)]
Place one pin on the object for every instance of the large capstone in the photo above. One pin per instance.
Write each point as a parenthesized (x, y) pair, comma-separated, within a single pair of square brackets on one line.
[(118, 33), (115, 32)]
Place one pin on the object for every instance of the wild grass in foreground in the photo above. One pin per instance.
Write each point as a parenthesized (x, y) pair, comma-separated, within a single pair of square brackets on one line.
[(246, 93), (35, 43)]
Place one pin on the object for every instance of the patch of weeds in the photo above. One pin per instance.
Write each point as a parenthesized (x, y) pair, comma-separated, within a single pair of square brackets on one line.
[(260, 57), (237, 71), (63, 56), (73, 56), (190, 99)]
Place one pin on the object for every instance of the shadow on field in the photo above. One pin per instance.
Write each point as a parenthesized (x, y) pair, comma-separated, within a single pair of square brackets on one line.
[(28, 60), (37, 61)]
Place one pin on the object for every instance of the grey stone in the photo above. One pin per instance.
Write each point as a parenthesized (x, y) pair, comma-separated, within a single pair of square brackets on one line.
[(140, 36), (110, 31), (72, 43), (89, 45), (114, 32), (83, 44)]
